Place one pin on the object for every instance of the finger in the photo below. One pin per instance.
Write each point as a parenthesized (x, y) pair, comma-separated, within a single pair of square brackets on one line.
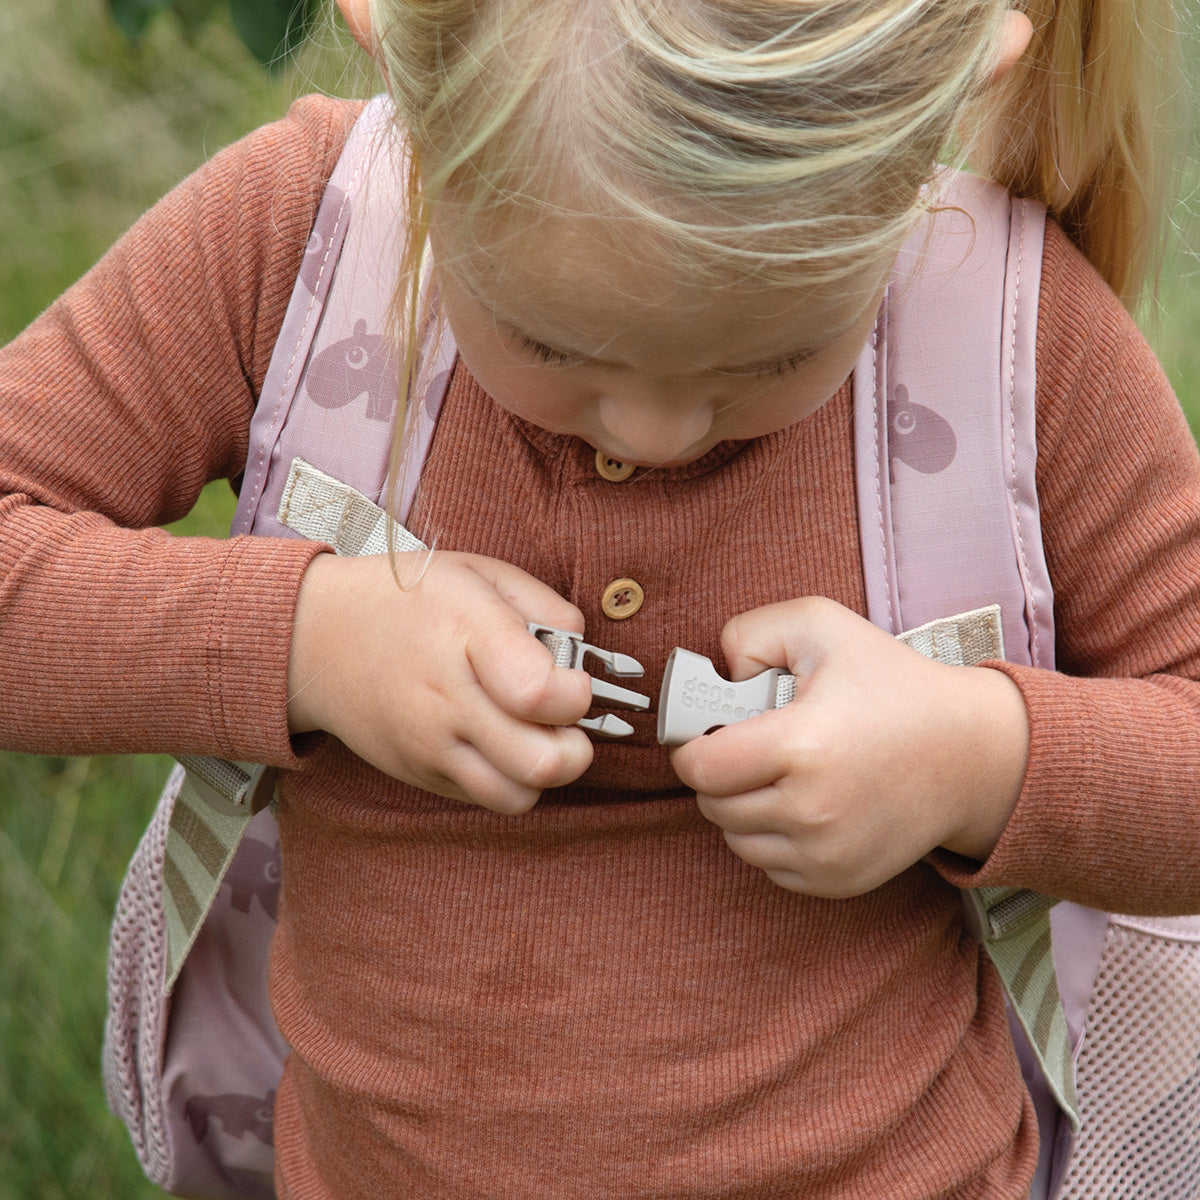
[(533, 599), (741, 757), (532, 756), (454, 767), (470, 776), (518, 674), (516, 670), (764, 810), (810, 866), (762, 637), (795, 881), (796, 635), (767, 851)]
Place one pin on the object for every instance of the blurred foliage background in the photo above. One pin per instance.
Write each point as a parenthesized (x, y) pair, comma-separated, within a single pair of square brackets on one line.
[(94, 127), (272, 30)]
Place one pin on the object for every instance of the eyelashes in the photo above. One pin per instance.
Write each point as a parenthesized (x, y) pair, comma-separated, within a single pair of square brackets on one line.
[(547, 355), (550, 357), (784, 366)]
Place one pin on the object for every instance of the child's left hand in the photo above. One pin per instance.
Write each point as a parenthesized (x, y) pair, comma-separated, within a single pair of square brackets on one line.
[(882, 756)]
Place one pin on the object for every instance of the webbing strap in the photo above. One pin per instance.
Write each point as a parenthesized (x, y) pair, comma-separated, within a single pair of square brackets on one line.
[(324, 509), (1025, 963), (217, 797), (215, 803), (244, 785)]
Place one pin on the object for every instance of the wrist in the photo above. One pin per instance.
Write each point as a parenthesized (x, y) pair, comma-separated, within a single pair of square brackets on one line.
[(995, 743)]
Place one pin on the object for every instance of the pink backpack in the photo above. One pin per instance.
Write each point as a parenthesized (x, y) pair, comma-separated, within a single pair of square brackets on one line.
[(945, 454)]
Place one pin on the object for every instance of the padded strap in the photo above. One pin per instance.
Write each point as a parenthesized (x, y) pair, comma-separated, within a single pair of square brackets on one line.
[(944, 424), (329, 395), (946, 455)]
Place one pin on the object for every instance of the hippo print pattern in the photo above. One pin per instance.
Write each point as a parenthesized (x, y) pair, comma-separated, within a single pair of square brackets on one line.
[(257, 877), (236, 1114), (334, 212), (355, 366), (919, 437), (347, 369)]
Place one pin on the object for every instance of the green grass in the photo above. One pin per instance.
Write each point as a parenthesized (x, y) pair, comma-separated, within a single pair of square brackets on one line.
[(93, 130), (1174, 331), (67, 829)]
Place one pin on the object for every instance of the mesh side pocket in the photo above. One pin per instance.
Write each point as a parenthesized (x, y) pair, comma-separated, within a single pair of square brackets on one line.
[(135, 1025), (1138, 1073)]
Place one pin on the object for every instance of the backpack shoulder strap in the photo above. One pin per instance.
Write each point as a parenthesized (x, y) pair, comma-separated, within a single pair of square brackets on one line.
[(944, 423), (946, 457), (329, 397)]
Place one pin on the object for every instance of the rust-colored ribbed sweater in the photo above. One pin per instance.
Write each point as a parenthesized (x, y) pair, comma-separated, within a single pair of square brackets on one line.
[(596, 999)]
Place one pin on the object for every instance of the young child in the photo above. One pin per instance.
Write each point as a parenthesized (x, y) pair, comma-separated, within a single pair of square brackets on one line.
[(511, 962)]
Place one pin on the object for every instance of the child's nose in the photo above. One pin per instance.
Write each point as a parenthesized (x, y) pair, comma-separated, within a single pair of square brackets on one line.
[(656, 428)]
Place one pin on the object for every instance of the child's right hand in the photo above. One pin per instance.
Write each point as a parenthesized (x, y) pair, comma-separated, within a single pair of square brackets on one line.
[(439, 683)]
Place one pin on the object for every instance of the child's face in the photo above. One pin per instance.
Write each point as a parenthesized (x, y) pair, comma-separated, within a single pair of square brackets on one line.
[(579, 337)]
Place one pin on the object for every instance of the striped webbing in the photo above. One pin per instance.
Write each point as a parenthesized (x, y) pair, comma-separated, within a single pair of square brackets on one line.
[(1016, 935), (213, 806), (1012, 923), (217, 798)]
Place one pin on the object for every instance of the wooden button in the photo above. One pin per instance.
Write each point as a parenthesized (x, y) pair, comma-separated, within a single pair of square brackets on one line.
[(610, 469), (622, 598)]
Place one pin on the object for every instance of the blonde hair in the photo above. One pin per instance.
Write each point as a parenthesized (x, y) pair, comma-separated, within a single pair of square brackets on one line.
[(749, 135), (1090, 122), (781, 140)]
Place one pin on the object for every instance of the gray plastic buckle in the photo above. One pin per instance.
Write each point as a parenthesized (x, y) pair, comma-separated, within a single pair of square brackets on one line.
[(695, 699), (569, 649)]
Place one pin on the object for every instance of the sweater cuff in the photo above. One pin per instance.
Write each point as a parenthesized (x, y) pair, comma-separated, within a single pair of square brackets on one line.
[(133, 641), (1099, 808), (253, 616)]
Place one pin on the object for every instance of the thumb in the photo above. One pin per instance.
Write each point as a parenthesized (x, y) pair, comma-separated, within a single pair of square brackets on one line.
[(795, 635)]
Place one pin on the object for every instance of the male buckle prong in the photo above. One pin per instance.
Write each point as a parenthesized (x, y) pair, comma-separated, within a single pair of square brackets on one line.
[(569, 649)]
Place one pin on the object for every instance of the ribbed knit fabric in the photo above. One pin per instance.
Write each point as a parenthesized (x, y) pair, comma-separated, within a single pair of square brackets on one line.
[(596, 999)]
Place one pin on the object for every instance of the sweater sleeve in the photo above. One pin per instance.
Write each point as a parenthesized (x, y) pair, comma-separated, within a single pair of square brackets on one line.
[(1109, 813), (116, 406)]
